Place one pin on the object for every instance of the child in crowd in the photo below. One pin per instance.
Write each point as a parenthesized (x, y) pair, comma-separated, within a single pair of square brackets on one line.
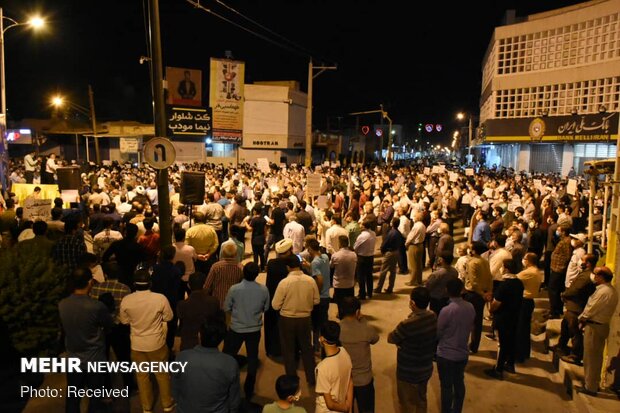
[(289, 392)]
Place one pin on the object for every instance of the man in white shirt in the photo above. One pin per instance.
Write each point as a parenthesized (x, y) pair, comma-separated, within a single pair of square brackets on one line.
[(574, 265), (295, 298), (336, 230), (105, 238), (185, 254), (295, 232), (334, 383), (147, 313), (594, 320), (50, 170)]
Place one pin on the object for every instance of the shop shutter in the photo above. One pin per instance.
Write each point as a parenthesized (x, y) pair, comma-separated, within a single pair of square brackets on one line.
[(546, 158)]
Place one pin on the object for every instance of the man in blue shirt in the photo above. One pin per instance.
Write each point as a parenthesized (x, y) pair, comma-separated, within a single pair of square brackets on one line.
[(454, 325), (247, 301), (482, 232), (211, 379), (320, 271)]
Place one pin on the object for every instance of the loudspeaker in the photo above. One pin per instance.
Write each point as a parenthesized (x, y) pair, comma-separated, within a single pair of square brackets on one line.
[(192, 188), (68, 177)]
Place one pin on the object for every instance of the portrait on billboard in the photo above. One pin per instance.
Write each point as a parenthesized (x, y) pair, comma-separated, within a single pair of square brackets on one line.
[(184, 86)]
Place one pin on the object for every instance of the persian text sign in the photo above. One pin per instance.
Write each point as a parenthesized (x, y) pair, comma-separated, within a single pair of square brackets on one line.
[(184, 121), (226, 99)]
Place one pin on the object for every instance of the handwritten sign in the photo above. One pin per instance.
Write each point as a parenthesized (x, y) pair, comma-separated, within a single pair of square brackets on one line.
[(263, 165), (436, 170), (313, 186), (37, 209), (184, 121), (571, 188), (469, 171), (454, 177), (427, 171), (321, 202)]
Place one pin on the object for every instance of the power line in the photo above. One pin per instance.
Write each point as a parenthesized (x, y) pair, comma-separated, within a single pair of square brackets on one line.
[(196, 4), (264, 27)]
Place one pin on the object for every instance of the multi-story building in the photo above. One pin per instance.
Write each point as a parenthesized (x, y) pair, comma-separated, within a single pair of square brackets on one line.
[(551, 89)]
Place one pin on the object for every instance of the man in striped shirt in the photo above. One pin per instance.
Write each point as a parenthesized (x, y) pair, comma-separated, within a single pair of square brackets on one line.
[(416, 340), (224, 274)]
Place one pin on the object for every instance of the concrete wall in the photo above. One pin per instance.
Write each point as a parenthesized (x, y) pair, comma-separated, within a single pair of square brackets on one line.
[(524, 158)]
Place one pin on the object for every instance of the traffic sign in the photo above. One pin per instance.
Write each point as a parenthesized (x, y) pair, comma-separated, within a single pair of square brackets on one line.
[(159, 153), (379, 132)]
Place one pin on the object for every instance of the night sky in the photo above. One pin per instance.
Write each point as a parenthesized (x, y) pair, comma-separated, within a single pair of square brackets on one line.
[(424, 66)]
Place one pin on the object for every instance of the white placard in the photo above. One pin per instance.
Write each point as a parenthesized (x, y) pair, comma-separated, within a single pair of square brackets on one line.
[(436, 170), (69, 195), (538, 184), (442, 169), (326, 163), (321, 202), (454, 177), (571, 188), (469, 171), (488, 192), (313, 186), (427, 171), (263, 165)]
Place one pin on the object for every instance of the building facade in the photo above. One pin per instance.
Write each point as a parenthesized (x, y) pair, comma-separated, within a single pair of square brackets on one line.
[(551, 89)]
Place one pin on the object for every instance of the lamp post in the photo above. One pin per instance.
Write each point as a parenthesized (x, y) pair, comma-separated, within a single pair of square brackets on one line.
[(470, 131), (59, 101), (311, 76), (35, 23)]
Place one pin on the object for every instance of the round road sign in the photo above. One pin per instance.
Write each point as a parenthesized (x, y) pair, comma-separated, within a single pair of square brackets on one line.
[(379, 132), (159, 153)]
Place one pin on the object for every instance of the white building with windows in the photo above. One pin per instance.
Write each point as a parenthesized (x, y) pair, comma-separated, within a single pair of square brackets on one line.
[(551, 89)]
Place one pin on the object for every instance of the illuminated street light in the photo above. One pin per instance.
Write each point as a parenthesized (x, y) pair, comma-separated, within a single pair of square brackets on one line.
[(58, 101), (35, 23), (461, 116)]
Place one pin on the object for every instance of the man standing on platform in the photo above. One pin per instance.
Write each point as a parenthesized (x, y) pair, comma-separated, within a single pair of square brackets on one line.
[(595, 322)]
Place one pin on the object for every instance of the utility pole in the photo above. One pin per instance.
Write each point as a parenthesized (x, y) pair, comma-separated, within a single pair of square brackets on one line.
[(93, 122), (159, 119), (311, 76)]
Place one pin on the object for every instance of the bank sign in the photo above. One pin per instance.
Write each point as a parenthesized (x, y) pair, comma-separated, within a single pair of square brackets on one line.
[(583, 128)]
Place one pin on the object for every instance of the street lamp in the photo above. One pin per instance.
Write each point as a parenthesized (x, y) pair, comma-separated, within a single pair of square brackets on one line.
[(461, 116), (58, 101), (35, 23)]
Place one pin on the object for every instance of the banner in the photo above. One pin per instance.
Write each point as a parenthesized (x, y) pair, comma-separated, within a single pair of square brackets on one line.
[(184, 86), (184, 121), (226, 99), (37, 209)]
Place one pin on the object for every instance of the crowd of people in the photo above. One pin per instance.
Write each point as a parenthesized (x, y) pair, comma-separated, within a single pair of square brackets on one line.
[(151, 299)]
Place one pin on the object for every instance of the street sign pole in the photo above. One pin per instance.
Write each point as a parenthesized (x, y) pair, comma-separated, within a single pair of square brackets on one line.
[(159, 117)]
